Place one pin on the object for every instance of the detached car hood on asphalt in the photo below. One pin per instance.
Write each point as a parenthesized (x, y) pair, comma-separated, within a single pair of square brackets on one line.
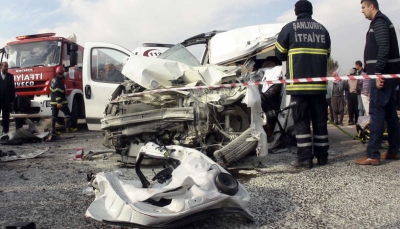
[(194, 187)]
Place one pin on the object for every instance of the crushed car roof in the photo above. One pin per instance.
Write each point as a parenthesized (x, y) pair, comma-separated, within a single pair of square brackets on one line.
[(224, 47), (237, 43)]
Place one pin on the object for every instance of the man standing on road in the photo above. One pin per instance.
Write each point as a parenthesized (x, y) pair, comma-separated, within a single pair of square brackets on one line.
[(381, 56), (352, 105), (58, 101), (305, 45), (7, 95)]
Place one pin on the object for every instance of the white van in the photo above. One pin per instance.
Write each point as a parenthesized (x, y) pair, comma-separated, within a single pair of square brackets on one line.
[(102, 66)]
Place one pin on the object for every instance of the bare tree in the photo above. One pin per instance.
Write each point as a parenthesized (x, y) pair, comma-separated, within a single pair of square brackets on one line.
[(333, 65)]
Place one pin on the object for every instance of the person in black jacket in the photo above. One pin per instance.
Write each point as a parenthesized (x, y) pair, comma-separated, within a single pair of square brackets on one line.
[(381, 56), (58, 101), (7, 95), (305, 45)]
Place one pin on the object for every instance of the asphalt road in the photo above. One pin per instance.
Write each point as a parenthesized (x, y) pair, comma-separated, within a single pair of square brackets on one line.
[(48, 190)]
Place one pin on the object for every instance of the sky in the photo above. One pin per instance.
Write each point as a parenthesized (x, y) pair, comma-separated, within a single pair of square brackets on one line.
[(129, 23)]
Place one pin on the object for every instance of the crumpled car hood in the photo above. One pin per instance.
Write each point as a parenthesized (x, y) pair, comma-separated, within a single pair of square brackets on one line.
[(152, 73), (192, 189)]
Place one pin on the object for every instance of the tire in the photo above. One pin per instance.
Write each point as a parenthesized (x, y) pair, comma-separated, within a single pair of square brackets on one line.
[(227, 184), (74, 113), (236, 149)]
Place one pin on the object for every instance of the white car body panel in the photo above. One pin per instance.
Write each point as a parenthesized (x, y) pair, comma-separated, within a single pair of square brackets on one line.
[(238, 43), (192, 189), (154, 73)]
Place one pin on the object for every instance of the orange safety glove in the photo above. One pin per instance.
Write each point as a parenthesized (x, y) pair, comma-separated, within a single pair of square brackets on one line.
[(59, 106)]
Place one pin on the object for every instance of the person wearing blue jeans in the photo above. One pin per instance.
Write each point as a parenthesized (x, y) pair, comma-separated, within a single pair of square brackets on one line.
[(381, 56), (383, 104)]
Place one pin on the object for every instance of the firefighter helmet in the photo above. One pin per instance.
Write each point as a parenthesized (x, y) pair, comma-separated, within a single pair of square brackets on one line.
[(60, 69)]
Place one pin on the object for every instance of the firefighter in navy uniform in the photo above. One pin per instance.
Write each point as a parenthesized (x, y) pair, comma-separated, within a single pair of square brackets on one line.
[(305, 45), (59, 102)]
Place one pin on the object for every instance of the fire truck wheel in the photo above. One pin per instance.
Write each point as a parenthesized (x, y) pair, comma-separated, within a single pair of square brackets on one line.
[(74, 113)]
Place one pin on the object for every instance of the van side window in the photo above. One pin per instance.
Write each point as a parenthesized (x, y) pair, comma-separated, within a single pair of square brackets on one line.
[(107, 64), (80, 60)]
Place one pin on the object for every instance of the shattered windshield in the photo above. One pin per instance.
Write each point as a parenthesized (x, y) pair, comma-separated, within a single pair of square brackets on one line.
[(43, 53), (181, 54)]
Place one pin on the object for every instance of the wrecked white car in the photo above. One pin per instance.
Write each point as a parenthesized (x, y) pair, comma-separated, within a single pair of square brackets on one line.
[(173, 100), (190, 188)]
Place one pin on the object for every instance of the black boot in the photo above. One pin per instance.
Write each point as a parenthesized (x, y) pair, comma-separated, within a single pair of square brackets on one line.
[(53, 128), (322, 160), (67, 122), (68, 126), (303, 164)]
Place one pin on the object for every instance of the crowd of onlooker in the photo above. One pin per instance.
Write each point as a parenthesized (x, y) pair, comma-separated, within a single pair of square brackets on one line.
[(348, 97)]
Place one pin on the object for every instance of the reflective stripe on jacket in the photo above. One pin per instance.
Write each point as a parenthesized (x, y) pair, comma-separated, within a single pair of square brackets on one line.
[(305, 45), (57, 89)]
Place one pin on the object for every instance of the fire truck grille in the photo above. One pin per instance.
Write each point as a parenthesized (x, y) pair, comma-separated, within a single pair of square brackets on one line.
[(29, 89), (36, 86)]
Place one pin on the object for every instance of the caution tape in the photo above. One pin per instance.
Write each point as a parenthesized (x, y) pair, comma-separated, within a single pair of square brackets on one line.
[(268, 82)]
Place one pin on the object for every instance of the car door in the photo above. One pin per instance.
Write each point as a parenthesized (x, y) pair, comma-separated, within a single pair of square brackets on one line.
[(98, 82)]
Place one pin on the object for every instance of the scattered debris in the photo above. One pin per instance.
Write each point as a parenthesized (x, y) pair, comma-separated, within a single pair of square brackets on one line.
[(260, 165), (21, 225), (92, 153), (89, 191), (79, 154), (23, 177), (282, 150), (22, 134), (5, 141), (7, 154), (15, 157)]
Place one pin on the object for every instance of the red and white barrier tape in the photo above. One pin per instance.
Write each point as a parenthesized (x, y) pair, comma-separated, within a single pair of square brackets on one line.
[(268, 82)]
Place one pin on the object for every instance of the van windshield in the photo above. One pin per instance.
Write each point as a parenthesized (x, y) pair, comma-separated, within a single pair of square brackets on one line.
[(43, 53), (181, 54)]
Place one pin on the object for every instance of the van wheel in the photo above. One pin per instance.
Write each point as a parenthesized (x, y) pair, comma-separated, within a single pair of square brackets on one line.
[(227, 184)]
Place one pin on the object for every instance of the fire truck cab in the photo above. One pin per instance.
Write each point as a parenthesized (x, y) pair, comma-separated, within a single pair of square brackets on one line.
[(32, 59)]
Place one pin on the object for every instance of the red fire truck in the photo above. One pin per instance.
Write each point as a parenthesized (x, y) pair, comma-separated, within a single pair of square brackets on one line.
[(32, 59)]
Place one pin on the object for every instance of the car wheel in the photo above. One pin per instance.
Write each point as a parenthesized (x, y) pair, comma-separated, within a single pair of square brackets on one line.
[(227, 184)]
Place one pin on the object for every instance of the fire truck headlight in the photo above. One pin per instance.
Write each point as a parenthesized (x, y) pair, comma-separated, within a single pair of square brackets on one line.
[(47, 103)]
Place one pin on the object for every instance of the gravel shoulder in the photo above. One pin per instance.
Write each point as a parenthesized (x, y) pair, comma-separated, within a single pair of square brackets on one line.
[(48, 190)]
